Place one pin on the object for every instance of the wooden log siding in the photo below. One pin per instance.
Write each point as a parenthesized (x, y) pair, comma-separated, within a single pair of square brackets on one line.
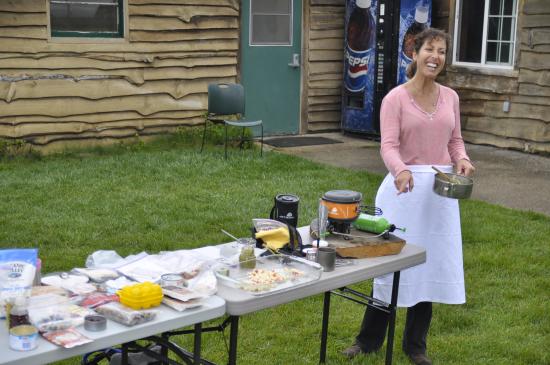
[(526, 126), (153, 82), (324, 53)]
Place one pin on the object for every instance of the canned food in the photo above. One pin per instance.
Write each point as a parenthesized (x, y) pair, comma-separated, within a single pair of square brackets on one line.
[(172, 280), (23, 338)]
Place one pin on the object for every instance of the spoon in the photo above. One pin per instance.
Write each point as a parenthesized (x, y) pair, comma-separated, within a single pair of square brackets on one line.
[(230, 235), (443, 175)]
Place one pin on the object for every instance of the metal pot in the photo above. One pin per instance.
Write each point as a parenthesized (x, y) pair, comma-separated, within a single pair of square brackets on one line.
[(342, 205), (460, 188)]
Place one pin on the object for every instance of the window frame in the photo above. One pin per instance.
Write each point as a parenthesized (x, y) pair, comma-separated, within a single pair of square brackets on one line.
[(91, 37), (483, 63), (291, 28)]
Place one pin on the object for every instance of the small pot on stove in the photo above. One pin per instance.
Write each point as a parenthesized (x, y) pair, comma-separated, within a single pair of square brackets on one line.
[(342, 205)]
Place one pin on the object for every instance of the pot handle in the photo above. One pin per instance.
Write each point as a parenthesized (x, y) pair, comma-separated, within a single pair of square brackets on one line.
[(368, 209)]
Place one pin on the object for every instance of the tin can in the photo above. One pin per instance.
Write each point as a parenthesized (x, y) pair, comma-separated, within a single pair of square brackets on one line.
[(23, 338), (172, 280), (311, 254)]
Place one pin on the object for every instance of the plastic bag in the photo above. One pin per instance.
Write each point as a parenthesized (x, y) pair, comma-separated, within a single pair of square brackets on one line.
[(96, 299), (54, 313), (98, 275), (103, 258), (180, 305), (205, 283), (124, 315)]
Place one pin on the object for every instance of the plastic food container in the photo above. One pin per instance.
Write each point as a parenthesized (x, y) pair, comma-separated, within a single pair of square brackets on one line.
[(141, 296), (271, 274)]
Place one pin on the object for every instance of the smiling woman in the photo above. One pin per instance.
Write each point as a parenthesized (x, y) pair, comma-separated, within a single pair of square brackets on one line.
[(420, 127), (90, 18)]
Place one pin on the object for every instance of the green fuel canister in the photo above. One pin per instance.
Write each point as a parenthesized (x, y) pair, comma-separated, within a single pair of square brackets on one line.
[(373, 224)]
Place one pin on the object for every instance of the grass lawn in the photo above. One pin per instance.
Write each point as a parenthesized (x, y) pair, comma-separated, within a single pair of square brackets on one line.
[(165, 196)]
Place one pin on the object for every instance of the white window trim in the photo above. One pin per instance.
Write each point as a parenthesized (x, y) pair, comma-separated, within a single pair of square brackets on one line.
[(291, 25), (514, 31)]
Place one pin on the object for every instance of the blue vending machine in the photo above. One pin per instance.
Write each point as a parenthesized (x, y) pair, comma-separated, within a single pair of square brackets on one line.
[(379, 38)]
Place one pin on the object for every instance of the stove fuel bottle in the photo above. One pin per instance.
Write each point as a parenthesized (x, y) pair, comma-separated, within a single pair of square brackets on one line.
[(373, 224)]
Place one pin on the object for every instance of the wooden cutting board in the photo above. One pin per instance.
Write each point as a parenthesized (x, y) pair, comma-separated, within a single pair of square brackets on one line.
[(368, 246)]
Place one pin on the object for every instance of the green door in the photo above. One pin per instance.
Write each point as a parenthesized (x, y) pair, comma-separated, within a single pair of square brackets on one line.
[(270, 63)]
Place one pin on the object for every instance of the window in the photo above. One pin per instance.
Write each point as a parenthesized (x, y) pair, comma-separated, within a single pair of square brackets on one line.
[(488, 40), (271, 22), (87, 18)]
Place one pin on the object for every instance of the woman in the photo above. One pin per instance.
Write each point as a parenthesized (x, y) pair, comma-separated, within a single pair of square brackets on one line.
[(420, 128)]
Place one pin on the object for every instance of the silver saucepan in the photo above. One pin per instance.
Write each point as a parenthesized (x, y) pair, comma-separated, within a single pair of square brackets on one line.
[(459, 186)]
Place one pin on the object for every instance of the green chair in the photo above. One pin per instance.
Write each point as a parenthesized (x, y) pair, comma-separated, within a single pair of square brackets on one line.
[(224, 100)]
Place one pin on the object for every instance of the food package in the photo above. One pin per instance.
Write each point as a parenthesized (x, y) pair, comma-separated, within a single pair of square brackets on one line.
[(77, 284), (66, 338), (125, 315), (98, 275), (180, 305), (57, 317), (47, 289), (181, 293), (17, 270), (96, 299)]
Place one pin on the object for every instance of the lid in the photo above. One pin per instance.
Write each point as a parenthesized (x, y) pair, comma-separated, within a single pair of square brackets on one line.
[(421, 14), (343, 196), (363, 3), (287, 198)]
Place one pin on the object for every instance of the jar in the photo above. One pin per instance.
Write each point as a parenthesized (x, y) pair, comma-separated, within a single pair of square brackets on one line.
[(247, 258)]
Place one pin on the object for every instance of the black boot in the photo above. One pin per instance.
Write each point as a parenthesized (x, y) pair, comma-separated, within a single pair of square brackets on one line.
[(417, 325)]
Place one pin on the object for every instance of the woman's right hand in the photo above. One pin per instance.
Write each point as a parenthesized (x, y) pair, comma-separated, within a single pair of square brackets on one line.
[(404, 182)]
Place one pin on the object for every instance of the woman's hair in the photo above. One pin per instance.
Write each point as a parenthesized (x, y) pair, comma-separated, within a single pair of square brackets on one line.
[(427, 35)]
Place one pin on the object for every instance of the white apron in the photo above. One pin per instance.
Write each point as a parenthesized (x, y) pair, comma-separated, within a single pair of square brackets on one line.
[(432, 222)]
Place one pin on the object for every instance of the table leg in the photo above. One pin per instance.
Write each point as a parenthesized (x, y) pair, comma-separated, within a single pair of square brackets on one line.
[(324, 330), (124, 357), (233, 340), (392, 308), (197, 344)]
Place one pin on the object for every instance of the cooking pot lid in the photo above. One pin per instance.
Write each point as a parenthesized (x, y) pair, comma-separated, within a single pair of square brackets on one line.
[(287, 198), (342, 196)]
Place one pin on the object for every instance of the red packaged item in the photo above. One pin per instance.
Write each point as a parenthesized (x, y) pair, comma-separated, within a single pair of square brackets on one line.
[(96, 299), (66, 338)]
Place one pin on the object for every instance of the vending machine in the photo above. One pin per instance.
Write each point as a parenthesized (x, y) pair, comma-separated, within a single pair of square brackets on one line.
[(379, 40)]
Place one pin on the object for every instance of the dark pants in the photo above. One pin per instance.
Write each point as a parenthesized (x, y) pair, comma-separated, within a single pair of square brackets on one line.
[(375, 323)]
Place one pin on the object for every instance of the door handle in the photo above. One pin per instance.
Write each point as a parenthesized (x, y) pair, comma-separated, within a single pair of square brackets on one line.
[(295, 60)]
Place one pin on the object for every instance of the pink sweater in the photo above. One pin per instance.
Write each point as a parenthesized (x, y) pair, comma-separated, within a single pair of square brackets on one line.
[(410, 137)]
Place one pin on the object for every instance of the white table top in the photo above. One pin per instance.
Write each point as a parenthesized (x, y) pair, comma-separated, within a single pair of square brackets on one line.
[(115, 334), (239, 302)]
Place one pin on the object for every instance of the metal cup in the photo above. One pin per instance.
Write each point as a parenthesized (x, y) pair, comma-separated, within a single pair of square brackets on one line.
[(326, 257)]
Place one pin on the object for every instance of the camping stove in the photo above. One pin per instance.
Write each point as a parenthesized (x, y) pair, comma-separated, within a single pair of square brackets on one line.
[(343, 207), (339, 227)]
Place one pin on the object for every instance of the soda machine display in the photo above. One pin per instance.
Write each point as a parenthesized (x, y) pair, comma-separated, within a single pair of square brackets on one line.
[(359, 58), (414, 18)]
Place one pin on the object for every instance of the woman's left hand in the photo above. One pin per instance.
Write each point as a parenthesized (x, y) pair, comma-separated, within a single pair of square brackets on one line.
[(464, 167)]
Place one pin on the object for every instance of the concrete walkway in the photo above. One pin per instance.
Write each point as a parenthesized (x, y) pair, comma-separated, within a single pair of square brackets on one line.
[(508, 178)]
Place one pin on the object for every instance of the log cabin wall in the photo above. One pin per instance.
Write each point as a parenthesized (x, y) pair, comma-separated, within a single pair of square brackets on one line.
[(54, 91), (526, 126), (323, 67)]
